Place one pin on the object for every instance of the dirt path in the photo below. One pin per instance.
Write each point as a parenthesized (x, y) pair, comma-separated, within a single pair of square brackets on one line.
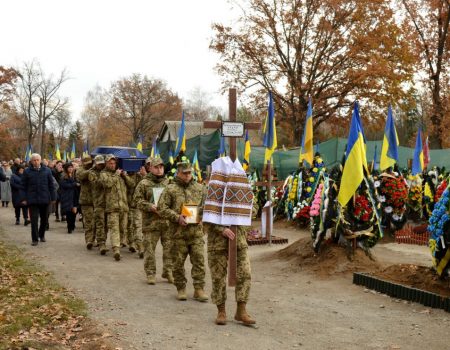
[(293, 310)]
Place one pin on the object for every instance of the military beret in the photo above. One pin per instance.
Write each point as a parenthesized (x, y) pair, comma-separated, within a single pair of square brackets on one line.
[(99, 159)]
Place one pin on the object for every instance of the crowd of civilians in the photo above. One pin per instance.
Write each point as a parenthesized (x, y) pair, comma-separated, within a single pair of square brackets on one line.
[(39, 188)]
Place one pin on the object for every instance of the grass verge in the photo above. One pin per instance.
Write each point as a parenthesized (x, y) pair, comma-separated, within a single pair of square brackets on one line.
[(37, 313)]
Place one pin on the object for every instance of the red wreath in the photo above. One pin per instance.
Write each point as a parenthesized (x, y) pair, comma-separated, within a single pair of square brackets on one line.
[(395, 191), (362, 209)]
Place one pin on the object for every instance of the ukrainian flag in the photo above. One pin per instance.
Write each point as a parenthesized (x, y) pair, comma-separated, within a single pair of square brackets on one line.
[(389, 150), (197, 170), (306, 150), (73, 153), (417, 164), (57, 153), (139, 144), (171, 161), (181, 139), (28, 153), (270, 131), (86, 149), (65, 156), (247, 151), (356, 160), (155, 151), (222, 149)]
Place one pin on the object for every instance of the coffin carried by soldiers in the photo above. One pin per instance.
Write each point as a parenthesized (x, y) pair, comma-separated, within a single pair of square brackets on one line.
[(130, 159)]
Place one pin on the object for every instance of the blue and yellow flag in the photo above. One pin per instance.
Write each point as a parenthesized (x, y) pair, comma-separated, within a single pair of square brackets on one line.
[(155, 151), (417, 164), (181, 138), (86, 149), (28, 153), (270, 131), (389, 150), (222, 148), (73, 152), (139, 144), (356, 160), (374, 161), (247, 151), (171, 161), (65, 156), (306, 150), (57, 152), (197, 170)]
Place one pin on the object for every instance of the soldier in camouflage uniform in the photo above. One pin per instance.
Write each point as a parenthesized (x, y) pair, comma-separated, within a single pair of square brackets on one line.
[(98, 200), (134, 227), (116, 207), (154, 227), (87, 206), (218, 237), (187, 239)]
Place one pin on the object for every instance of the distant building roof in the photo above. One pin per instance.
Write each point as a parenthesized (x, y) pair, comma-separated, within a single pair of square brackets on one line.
[(169, 130)]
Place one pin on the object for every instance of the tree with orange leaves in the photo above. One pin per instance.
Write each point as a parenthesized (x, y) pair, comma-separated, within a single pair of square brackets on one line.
[(332, 50), (428, 21)]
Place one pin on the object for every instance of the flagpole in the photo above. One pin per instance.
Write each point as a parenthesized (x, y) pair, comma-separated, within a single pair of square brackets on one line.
[(269, 199)]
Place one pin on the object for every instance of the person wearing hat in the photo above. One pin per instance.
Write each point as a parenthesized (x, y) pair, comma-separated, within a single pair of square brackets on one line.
[(116, 205), (187, 230), (154, 227), (134, 227), (86, 201), (98, 201)]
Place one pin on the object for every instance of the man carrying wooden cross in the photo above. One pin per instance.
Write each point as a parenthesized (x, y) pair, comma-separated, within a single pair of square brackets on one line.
[(227, 242)]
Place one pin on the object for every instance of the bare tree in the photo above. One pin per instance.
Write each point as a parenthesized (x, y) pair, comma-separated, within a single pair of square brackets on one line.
[(141, 105), (38, 99)]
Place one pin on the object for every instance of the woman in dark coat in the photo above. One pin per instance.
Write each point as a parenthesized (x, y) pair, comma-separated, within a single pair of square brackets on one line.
[(69, 196), (18, 195)]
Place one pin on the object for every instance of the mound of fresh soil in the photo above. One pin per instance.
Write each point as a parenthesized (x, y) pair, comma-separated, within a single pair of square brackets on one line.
[(331, 259), (420, 277)]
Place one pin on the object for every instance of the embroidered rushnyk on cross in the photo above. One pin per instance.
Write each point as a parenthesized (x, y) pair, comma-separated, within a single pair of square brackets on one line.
[(229, 200)]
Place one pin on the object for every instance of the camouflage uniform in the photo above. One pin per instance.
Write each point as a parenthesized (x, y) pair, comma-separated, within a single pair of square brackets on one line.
[(116, 206), (98, 199), (218, 263), (87, 206), (134, 227), (186, 239), (153, 226)]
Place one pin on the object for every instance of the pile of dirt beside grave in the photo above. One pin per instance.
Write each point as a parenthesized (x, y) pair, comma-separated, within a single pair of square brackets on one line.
[(331, 259), (420, 277)]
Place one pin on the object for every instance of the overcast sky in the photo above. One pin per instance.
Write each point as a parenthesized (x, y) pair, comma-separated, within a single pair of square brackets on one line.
[(100, 41)]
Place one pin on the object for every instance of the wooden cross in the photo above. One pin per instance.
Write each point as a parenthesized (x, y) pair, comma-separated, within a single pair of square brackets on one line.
[(232, 108)]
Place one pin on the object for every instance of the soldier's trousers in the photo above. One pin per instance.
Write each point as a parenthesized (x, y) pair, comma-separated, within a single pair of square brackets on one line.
[(117, 223), (88, 223), (181, 248), (151, 238), (218, 263), (134, 226), (100, 225)]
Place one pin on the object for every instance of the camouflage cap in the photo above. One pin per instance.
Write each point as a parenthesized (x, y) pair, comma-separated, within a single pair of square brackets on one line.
[(154, 161), (99, 159), (108, 157), (87, 160), (184, 166)]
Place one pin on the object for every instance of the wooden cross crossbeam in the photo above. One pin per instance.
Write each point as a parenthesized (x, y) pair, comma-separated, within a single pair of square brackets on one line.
[(232, 107)]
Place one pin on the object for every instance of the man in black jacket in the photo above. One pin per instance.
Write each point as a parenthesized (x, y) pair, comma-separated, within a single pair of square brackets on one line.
[(39, 191)]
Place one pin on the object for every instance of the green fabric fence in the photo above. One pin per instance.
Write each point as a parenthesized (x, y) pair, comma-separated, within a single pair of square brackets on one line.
[(286, 161)]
